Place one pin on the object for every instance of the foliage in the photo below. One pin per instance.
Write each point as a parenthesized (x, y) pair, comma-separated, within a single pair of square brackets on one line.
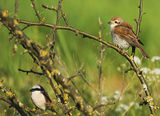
[(76, 54)]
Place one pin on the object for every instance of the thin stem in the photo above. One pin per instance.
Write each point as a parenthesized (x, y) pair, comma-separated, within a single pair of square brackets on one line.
[(36, 11), (16, 9)]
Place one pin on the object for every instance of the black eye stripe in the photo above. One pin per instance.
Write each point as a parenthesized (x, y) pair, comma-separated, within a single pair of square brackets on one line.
[(35, 89)]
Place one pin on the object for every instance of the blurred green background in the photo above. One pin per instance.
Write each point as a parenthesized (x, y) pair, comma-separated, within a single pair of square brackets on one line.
[(73, 51)]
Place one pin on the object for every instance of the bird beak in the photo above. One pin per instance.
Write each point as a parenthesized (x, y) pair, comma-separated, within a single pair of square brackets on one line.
[(109, 22)]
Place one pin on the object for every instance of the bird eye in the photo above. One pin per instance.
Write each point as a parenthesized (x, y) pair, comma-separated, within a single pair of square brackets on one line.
[(116, 21)]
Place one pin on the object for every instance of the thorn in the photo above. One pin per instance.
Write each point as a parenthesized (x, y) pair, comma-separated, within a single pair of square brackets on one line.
[(135, 20), (144, 13)]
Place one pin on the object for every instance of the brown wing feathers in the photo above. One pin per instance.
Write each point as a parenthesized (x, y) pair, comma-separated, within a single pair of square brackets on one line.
[(125, 31), (127, 34)]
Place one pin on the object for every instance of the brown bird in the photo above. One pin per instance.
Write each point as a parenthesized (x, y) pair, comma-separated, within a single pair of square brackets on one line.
[(123, 35)]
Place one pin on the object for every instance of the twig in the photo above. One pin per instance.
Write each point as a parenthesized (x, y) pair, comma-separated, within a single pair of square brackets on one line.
[(63, 14), (25, 27), (54, 31), (3, 99), (30, 71), (16, 9), (36, 11), (46, 7), (100, 69), (57, 22), (141, 13), (104, 105), (79, 72), (130, 69), (73, 76)]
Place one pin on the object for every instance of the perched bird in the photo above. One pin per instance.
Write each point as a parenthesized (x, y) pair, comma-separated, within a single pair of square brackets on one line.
[(123, 35), (40, 97)]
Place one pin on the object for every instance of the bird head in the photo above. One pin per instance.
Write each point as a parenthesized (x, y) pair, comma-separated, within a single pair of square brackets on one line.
[(115, 21)]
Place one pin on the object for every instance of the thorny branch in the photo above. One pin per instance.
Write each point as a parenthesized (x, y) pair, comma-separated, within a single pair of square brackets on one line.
[(138, 22), (46, 64), (141, 13)]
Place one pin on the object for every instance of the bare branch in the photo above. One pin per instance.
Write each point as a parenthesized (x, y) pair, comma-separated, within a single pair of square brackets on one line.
[(30, 71), (46, 7), (138, 22), (16, 9), (140, 17), (100, 69), (36, 11), (104, 105), (63, 14), (72, 77), (130, 69)]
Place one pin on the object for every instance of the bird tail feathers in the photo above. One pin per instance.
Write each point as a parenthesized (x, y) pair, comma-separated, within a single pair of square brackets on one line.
[(143, 52)]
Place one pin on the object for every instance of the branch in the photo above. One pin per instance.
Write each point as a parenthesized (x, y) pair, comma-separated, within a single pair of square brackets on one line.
[(104, 105), (138, 22), (30, 71), (141, 13), (100, 68), (35, 9), (16, 9), (74, 76), (46, 7), (63, 14)]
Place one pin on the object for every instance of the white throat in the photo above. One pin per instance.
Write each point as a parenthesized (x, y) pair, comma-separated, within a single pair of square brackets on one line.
[(112, 26)]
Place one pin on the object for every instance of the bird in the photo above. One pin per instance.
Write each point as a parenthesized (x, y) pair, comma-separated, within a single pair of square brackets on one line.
[(123, 35), (40, 97)]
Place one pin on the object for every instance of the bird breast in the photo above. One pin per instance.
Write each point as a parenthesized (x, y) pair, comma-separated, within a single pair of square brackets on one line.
[(118, 41), (39, 99)]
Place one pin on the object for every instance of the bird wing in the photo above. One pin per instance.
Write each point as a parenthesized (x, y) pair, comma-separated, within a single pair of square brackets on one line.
[(46, 96), (125, 32), (127, 25), (131, 27)]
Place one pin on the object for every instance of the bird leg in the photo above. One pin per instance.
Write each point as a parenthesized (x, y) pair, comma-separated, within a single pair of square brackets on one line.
[(133, 51)]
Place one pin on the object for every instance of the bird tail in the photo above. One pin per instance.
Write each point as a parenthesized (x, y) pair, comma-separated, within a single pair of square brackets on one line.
[(143, 52), (140, 42)]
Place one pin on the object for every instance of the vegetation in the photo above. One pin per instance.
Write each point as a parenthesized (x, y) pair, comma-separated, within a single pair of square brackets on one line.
[(93, 69)]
